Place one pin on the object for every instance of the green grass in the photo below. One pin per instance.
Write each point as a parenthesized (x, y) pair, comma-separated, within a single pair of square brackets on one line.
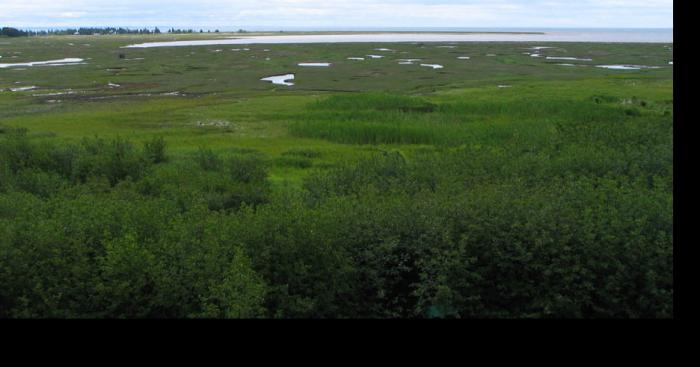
[(368, 189), (466, 118)]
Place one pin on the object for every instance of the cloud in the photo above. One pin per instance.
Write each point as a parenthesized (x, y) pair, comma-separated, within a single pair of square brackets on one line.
[(279, 14)]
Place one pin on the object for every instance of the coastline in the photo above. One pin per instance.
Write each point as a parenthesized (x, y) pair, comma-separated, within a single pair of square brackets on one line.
[(402, 37)]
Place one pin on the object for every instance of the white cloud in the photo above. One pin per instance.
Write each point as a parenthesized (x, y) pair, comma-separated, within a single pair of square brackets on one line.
[(340, 13)]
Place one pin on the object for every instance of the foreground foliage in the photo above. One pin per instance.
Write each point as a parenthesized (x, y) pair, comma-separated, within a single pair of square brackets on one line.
[(566, 212)]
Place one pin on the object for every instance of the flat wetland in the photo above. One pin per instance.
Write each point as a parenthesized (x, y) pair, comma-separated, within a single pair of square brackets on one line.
[(464, 179), (73, 101)]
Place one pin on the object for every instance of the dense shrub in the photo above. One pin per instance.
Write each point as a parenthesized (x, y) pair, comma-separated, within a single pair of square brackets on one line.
[(208, 160), (246, 168), (566, 213), (293, 162), (305, 153), (154, 150)]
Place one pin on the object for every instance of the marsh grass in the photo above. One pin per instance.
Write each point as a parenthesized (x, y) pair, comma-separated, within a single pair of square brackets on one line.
[(303, 152), (387, 119), (553, 198), (293, 162)]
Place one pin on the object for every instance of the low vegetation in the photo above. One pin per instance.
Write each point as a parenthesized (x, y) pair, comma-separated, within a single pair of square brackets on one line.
[(566, 212), (172, 182)]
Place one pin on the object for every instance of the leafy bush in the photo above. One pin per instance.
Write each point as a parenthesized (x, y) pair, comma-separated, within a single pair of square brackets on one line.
[(246, 168), (565, 212), (293, 162), (154, 150), (306, 153), (116, 160), (208, 160)]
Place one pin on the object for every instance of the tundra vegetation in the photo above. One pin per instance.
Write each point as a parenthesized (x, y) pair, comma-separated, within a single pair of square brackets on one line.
[(366, 190)]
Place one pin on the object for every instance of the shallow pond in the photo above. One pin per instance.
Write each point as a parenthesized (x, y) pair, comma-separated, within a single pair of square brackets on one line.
[(567, 58), (22, 89), (280, 79), (67, 61), (626, 67)]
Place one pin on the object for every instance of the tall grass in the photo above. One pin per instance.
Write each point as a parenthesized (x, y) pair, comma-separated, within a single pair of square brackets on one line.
[(388, 119), (374, 102)]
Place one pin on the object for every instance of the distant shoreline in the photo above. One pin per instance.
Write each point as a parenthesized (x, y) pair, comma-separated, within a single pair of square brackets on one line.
[(391, 37), (196, 38), (292, 33)]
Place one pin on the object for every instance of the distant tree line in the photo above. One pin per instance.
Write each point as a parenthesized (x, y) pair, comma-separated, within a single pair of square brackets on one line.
[(14, 32)]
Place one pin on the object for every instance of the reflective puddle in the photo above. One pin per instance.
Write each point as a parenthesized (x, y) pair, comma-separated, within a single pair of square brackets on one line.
[(567, 58), (626, 67), (22, 89), (67, 61), (280, 79)]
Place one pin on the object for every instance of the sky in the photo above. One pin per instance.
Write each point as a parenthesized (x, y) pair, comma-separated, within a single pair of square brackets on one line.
[(309, 14)]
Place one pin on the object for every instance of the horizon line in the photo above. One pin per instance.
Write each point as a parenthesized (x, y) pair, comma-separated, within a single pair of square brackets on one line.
[(320, 28)]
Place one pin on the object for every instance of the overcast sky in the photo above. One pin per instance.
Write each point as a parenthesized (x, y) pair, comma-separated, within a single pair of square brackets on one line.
[(278, 14)]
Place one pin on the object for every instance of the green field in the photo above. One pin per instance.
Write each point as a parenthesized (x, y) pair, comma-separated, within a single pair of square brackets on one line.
[(367, 189)]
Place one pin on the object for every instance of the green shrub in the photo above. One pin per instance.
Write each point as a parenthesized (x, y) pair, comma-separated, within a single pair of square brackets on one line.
[(293, 162), (306, 153), (115, 159), (38, 182), (603, 98), (565, 211), (246, 168), (154, 150), (381, 171), (208, 160)]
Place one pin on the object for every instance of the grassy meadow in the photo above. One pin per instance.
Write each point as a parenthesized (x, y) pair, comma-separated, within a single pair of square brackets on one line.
[(172, 182)]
